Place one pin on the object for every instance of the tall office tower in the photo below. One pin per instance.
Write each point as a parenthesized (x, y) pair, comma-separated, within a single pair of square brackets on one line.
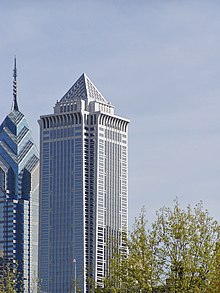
[(83, 188), (19, 197)]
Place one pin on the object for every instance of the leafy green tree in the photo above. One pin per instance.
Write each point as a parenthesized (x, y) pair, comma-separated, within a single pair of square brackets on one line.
[(35, 284), (133, 272), (215, 280), (185, 248), (8, 280), (179, 253)]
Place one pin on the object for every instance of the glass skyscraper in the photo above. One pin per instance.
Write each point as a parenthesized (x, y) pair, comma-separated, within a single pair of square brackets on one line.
[(19, 195), (83, 188)]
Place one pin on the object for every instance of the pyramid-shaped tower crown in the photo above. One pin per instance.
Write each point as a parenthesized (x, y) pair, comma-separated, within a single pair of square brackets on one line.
[(84, 89), (83, 95)]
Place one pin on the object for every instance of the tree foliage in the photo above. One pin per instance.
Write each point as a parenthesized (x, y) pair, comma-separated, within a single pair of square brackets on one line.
[(180, 252), (35, 284), (136, 271), (9, 280)]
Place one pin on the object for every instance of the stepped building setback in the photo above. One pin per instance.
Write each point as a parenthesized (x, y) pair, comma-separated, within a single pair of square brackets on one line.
[(83, 189), (19, 195)]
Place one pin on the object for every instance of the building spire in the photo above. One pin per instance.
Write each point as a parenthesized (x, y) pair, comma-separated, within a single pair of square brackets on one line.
[(15, 103)]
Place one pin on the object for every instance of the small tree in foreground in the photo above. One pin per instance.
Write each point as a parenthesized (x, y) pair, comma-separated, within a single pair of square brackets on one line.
[(9, 280), (215, 278), (35, 284), (136, 271), (179, 253), (185, 246)]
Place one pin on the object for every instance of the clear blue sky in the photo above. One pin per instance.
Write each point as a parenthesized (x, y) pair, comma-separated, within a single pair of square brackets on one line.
[(158, 62)]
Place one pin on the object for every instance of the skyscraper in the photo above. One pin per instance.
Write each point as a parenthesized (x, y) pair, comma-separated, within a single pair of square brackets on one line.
[(83, 188), (19, 195)]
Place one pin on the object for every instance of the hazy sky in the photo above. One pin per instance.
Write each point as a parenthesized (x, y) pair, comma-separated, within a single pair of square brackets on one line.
[(158, 62)]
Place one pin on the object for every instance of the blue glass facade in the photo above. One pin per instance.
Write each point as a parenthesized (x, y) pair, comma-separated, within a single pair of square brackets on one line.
[(83, 189), (19, 195)]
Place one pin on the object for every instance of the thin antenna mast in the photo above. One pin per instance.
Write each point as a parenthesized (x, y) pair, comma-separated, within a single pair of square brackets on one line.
[(15, 103)]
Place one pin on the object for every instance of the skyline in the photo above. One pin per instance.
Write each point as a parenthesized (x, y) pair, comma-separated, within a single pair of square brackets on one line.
[(157, 63)]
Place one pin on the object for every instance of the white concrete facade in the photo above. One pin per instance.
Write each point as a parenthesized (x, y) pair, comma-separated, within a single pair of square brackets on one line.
[(96, 192)]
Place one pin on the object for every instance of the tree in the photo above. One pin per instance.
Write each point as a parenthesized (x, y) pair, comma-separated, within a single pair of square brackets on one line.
[(35, 284), (179, 253), (215, 280), (133, 272), (185, 248), (8, 280)]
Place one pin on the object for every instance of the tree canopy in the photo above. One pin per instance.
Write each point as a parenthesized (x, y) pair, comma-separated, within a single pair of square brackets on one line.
[(8, 279), (180, 252)]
